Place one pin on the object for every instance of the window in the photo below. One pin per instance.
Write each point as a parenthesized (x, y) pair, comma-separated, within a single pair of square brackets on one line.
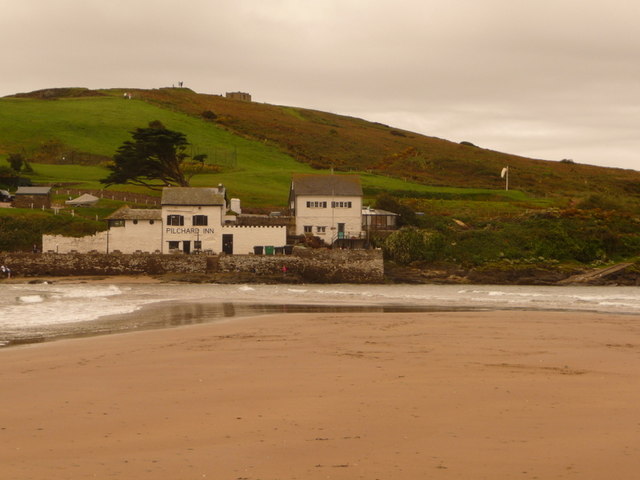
[(135, 222), (175, 220), (116, 223), (316, 204), (200, 220), (197, 244), (151, 222), (174, 245), (308, 229), (321, 229), (340, 204)]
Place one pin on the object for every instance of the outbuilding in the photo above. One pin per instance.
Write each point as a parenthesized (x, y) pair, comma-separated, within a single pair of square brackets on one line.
[(32, 197)]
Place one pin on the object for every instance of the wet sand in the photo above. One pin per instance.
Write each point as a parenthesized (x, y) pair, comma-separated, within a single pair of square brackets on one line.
[(454, 395)]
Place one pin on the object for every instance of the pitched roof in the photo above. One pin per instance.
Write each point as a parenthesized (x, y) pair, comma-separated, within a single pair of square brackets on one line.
[(126, 213), (84, 199), (191, 196), (336, 185), (377, 211), (33, 191)]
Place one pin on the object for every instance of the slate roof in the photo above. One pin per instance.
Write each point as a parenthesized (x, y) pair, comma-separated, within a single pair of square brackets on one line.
[(33, 191), (126, 213), (191, 196), (326, 185)]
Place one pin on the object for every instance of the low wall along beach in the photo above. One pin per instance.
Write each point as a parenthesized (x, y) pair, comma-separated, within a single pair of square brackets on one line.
[(313, 266)]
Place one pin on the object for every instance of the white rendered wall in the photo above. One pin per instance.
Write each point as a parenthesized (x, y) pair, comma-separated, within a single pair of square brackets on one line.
[(245, 238), (143, 236), (62, 244), (209, 235), (130, 238), (329, 217)]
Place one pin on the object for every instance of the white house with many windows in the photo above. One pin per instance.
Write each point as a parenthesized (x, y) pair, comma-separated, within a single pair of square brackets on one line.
[(327, 206)]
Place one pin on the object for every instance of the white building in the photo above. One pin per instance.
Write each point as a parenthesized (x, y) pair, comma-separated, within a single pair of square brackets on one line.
[(191, 220), (327, 206)]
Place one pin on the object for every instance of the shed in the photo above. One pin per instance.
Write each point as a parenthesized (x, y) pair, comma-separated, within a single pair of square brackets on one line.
[(32, 197)]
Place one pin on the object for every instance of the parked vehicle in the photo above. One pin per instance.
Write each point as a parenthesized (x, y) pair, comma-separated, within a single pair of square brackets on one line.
[(5, 196)]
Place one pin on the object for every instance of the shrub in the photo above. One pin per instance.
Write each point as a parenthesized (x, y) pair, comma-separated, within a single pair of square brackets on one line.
[(410, 244), (208, 115)]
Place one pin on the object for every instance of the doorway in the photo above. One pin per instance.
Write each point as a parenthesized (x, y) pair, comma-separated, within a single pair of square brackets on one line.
[(227, 243), (186, 247)]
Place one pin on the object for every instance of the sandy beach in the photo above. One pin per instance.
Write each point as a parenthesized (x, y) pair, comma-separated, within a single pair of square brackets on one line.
[(484, 395)]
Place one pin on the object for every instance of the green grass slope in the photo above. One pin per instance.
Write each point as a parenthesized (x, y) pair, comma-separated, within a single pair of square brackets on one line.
[(328, 140), (258, 146), (60, 128)]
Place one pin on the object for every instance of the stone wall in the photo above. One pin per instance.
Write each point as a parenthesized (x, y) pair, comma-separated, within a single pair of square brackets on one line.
[(53, 264), (305, 265), (312, 265)]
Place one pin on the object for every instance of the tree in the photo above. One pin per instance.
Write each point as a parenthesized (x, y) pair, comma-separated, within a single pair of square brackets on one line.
[(155, 154), (16, 161), (384, 201)]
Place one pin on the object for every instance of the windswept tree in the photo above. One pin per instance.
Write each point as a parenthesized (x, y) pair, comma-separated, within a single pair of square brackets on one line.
[(154, 157)]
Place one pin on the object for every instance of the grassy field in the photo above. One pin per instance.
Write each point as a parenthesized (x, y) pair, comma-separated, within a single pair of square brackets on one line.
[(257, 172)]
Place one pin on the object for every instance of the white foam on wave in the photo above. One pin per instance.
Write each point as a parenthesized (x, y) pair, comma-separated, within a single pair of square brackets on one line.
[(246, 288), (92, 292), (31, 299)]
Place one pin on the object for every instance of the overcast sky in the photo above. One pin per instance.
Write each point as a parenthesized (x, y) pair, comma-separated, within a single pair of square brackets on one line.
[(549, 79)]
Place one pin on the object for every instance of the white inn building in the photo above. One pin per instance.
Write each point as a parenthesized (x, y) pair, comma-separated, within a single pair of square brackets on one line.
[(191, 220)]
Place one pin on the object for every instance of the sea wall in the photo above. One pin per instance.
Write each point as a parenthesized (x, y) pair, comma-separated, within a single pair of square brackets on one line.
[(305, 265), (312, 265), (54, 264)]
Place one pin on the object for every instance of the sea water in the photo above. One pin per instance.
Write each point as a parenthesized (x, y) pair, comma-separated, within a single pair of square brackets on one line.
[(36, 312)]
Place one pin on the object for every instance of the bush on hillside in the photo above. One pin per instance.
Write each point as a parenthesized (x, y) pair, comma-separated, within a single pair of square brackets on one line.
[(410, 244), (208, 115), (564, 236), (595, 201)]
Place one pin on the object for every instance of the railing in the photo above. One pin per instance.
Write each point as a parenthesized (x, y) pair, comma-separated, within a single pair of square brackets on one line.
[(348, 236)]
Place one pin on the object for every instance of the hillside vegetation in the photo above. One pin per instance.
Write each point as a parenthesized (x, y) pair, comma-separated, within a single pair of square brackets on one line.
[(70, 135)]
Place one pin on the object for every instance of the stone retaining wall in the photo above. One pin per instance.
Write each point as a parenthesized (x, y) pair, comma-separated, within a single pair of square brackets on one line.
[(312, 265), (53, 264), (308, 265)]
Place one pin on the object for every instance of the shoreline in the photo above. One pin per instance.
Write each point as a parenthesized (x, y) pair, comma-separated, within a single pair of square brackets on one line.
[(347, 395), (169, 314)]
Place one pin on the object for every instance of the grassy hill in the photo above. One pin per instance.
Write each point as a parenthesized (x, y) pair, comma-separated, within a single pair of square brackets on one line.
[(69, 135), (253, 142)]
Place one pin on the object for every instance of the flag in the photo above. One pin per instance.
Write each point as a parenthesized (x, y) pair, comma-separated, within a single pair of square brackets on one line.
[(505, 170)]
